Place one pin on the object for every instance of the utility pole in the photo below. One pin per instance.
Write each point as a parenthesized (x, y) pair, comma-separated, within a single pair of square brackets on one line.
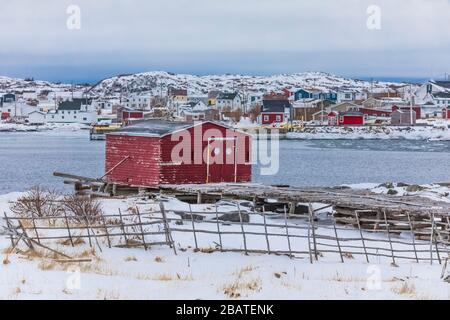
[(410, 104)]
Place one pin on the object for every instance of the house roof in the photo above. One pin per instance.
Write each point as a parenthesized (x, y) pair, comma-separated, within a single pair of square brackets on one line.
[(227, 96), (213, 94), (178, 92), (443, 84), (275, 105), (70, 105), (442, 95), (351, 113)]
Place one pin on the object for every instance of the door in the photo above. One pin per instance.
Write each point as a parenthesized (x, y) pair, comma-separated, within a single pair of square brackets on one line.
[(221, 161)]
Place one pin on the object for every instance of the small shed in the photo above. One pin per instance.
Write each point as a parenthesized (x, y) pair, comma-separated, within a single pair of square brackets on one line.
[(403, 118), (155, 152), (349, 118)]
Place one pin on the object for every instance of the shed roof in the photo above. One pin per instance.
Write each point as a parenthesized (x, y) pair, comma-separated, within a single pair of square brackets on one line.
[(159, 127)]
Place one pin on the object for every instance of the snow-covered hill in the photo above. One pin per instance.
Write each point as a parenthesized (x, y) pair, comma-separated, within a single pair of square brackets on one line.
[(158, 81), (15, 84)]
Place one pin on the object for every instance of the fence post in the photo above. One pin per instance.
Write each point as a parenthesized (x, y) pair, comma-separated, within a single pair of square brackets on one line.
[(106, 231), (8, 224), (35, 228), (265, 230), (167, 227), (413, 236), (362, 236), (337, 240), (287, 232), (68, 228), (242, 228), (389, 236), (309, 236), (122, 227), (311, 221), (218, 229), (142, 228), (433, 238), (193, 227)]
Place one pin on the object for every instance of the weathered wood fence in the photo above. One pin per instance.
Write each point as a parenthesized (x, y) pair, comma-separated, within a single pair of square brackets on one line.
[(367, 235)]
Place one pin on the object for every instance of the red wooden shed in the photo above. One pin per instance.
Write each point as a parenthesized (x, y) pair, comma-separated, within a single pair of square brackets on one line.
[(155, 152), (349, 118)]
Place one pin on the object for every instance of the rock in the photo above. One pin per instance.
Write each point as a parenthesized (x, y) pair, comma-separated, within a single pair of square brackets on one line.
[(388, 185), (187, 216), (234, 217), (414, 188), (392, 192), (402, 184), (301, 209)]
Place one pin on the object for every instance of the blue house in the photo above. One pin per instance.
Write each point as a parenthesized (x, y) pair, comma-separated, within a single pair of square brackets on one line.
[(307, 94)]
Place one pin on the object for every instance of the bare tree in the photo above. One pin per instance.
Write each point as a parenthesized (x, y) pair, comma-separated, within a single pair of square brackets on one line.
[(38, 202)]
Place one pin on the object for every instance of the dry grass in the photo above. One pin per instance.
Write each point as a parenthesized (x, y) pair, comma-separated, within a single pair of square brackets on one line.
[(405, 289), (242, 271), (165, 277), (76, 241), (159, 259), (236, 289), (131, 259), (6, 261)]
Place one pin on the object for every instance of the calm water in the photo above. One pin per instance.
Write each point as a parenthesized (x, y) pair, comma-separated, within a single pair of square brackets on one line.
[(28, 159)]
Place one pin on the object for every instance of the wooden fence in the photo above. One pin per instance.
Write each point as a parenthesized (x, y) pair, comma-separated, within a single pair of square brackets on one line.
[(334, 239)]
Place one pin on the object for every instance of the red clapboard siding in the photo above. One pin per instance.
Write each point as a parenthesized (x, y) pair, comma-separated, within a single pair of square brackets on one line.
[(142, 168), (197, 173)]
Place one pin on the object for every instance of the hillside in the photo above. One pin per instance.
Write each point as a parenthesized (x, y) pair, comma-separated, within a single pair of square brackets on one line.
[(158, 81)]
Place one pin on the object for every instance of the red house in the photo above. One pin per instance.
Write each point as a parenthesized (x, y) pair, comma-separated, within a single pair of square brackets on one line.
[(417, 109), (132, 114), (446, 113), (275, 111), (348, 118), (156, 152), (368, 112)]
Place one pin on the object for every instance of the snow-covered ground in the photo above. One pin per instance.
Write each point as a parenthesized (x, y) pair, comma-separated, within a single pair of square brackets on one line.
[(372, 132), (17, 127), (160, 274)]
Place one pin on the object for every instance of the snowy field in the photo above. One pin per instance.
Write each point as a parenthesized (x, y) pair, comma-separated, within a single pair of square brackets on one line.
[(207, 274)]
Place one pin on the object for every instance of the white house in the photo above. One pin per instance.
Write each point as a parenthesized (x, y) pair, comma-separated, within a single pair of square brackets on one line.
[(37, 117), (433, 96), (138, 102), (73, 112), (347, 95), (228, 100)]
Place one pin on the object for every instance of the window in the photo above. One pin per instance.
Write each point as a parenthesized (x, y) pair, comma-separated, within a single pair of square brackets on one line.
[(278, 118), (266, 118), (84, 119), (341, 119), (62, 117)]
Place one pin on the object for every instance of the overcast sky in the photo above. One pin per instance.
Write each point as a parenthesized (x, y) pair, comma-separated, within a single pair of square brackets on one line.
[(223, 36)]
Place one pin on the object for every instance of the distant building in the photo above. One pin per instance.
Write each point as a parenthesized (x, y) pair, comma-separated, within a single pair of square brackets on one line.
[(403, 117), (76, 111), (275, 112), (177, 97), (228, 100), (417, 110), (349, 118), (446, 113), (37, 118)]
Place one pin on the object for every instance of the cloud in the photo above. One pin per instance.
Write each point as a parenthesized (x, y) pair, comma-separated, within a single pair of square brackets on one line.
[(113, 30)]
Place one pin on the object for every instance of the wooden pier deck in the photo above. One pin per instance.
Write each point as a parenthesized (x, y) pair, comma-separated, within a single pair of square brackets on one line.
[(341, 198)]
